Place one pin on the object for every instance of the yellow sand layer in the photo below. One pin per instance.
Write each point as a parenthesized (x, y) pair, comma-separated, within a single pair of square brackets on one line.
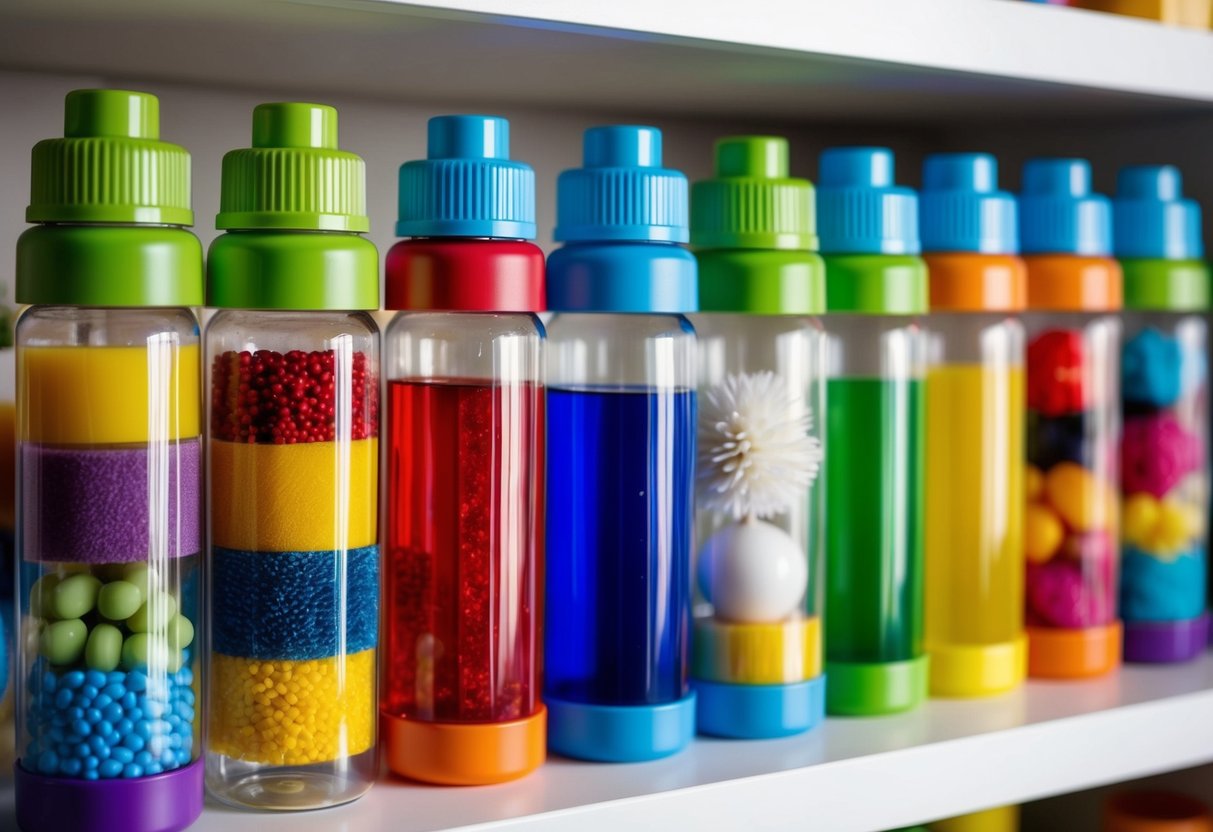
[(288, 498), (757, 654), (108, 395), (292, 713)]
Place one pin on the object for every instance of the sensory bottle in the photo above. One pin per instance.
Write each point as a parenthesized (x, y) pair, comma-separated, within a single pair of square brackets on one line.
[(110, 471), (621, 451), (292, 369), (876, 286), (464, 409), (974, 444), (1073, 423), (1164, 474), (756, 645)]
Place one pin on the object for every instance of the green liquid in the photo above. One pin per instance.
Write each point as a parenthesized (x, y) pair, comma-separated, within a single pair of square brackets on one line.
[(874, 520)]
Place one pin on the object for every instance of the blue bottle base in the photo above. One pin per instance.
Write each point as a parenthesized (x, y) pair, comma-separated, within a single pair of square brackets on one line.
[(620, 733), (759, 712)]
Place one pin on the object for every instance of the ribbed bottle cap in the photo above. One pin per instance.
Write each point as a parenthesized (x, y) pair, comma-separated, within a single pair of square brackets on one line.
[(293, 177), (962, 208), (467, 186), (1150, 217), (752, 202), (1058, 213), (860, 210), (110, 166), (622, 192)]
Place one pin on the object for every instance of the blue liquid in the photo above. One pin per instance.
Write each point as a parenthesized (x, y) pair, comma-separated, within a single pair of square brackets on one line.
[(619, 520)]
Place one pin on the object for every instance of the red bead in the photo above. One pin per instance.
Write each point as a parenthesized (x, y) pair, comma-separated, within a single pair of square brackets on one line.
[(1056, 373)]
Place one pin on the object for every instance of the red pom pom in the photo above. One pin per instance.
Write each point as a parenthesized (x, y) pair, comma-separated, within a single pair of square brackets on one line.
[(1056, 384)]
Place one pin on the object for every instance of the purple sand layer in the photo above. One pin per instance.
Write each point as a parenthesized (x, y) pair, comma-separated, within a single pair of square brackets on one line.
[(1160, 642), (92, 506), (164, 803)]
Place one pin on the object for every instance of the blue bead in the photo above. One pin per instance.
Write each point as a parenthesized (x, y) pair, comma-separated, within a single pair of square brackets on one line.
[(152, 768), (91, 775), (63, 698), (185, 677), (88, 693), (136, 681), (72, 679), (95, 678), (81, 751), (134, 742), (183, 756), (144, 729), (144, 759), (129, 702), (114, 690), (103, 700), (121, 754), (115, 677), (99, 747), (93, 715), (56, 735), (184, 711), (113, 739), (132, 771), (104, 728), (124, 726), (48, 762), (187, 696), (81, 728), (113, 713), (168, 758), (75, 713), (71, 767), (91, 763), (49, 682), (111, 768), (174, 741)]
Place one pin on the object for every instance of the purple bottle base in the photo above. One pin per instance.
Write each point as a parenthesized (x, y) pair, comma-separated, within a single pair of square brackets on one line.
[(166, 802), (1160, 642)]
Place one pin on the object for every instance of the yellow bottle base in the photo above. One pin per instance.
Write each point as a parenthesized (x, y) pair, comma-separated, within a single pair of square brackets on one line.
[(964, 671)]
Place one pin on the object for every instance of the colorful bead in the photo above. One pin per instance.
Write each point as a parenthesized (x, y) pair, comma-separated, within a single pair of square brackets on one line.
[(1139, 517), (1083, 500), (1043, 532), (292, 713), (1156, 453), (1033, 483), (1150, 369), (1056, 382)]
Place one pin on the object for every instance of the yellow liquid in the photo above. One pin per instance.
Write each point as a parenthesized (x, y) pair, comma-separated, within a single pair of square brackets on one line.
[(974, 496)]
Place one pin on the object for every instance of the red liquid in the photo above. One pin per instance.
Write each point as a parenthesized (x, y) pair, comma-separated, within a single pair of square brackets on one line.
[(465, 549)]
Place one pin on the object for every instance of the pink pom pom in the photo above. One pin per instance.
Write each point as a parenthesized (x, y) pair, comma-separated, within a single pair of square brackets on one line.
[(1156, 453)]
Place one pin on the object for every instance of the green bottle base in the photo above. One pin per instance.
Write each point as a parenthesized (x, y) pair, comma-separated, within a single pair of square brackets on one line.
[(875, 688)]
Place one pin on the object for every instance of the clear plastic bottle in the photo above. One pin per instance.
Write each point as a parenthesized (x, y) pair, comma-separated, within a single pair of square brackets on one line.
[(975, 409), (876, 286), (1164, 458), (1071, 522), (293, 377), (621, 449), (756, 649), (109, 517), (465, 447)]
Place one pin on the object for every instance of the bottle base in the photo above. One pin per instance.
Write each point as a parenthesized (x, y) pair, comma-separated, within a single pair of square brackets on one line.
[(290, 788), (969, 671), (166, 802), (1166, 642), (1054, 653), (620, 733), (876, 688), (759, 712), (467, 754)]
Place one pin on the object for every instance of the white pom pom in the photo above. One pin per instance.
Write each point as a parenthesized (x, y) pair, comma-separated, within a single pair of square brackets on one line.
[(756, 457), (753, 572)]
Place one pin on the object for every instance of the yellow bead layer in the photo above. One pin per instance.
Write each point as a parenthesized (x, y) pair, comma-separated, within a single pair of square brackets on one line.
[(284, 498), (757, 654), (292, 713), (108, 395)]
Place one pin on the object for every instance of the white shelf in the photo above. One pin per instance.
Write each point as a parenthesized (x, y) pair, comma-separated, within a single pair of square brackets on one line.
[(875, 60), (857, 774)]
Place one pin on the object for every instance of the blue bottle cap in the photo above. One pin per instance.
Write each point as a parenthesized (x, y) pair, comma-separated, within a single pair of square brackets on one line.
[(622, 192), (859, 209), (1058, 213), (467, 186), (1150, 217), (962, 208)]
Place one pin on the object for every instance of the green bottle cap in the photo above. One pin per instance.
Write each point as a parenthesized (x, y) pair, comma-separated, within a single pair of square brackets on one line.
[(752, 202), (110, 166), (294, 176), (1159, 285), (276, 197)]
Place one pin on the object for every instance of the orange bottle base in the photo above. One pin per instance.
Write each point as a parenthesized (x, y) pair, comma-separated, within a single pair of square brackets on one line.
[(1073, 654), (465, 754)]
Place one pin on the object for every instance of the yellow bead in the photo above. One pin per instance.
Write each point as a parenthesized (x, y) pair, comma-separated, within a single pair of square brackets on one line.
[(1042, 533), (1140, 517), (1085, 502), (1033, 482), (1174, 529)]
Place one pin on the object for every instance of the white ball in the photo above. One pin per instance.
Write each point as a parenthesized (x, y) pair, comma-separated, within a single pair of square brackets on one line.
[(753, 572)]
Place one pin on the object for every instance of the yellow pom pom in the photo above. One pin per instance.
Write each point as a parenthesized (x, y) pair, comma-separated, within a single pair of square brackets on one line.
[(1085, 502), (1043, 532), (1139, 519), (1174, 530)]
